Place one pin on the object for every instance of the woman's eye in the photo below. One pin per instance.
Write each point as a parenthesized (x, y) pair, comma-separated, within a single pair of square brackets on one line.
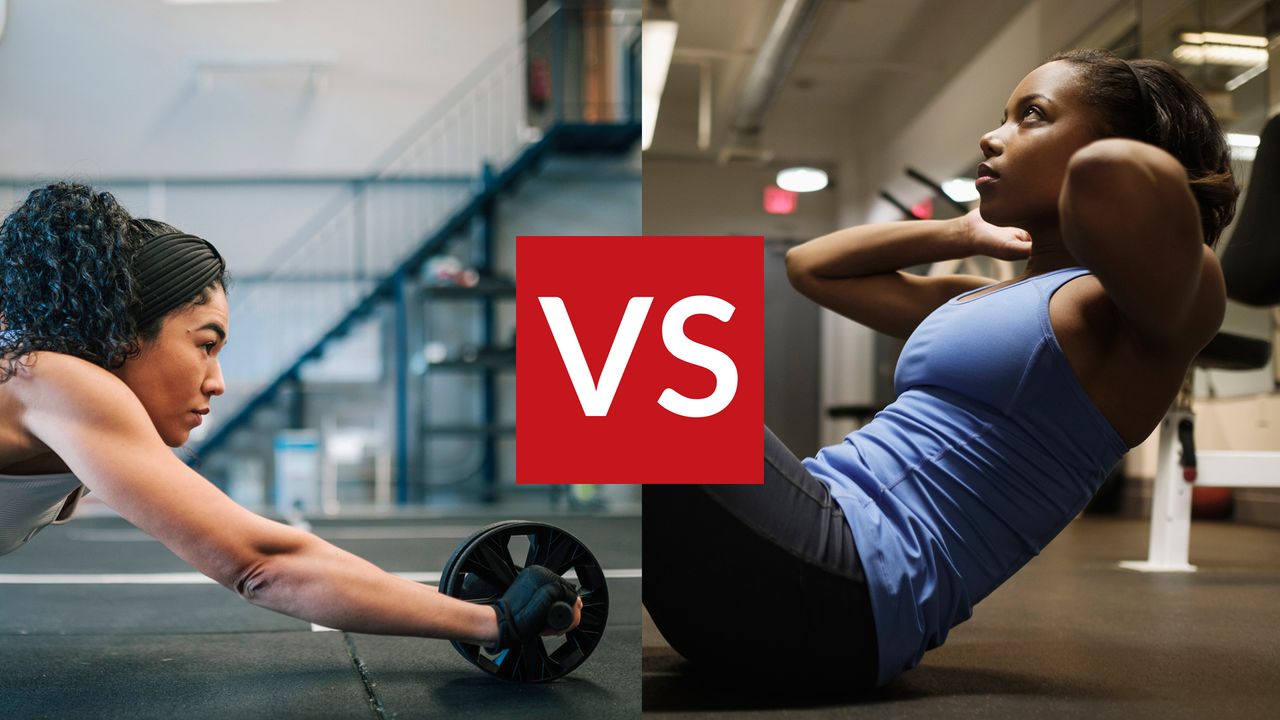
[(209, 346), (1032, 110)]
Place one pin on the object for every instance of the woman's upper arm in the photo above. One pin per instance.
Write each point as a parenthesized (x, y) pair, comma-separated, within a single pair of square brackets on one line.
[(97, 426), (891, 303), (1129, 216)]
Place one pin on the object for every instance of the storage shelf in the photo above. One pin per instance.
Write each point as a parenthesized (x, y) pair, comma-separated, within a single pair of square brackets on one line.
[(501, 358), (469, 430), (487, 287)]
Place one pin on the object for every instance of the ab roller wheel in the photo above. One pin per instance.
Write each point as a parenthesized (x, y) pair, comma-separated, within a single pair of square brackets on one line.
[(483, 567)]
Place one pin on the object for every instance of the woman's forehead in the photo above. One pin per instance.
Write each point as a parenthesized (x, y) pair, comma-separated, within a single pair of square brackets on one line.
[(1057, 80), (215, 310), (218, 300)]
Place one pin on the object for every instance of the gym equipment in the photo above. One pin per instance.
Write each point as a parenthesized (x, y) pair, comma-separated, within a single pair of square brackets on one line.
[(1250, 266), (482, 568)]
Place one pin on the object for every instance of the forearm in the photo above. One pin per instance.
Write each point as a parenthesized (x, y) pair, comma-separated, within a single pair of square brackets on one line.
[(879, 248), (326, 585)]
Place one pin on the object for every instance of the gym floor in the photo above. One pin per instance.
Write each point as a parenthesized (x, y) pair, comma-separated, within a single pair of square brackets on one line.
[(140, 636), (1070, 635)]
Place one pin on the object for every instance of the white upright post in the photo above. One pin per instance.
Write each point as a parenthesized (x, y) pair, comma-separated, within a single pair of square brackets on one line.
[(1170, 506)]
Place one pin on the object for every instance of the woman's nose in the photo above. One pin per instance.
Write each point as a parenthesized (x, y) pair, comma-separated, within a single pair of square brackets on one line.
[(991, 144), (213, 383)]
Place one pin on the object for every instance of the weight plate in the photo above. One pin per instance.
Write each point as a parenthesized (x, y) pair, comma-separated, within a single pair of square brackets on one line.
[(482, 568)]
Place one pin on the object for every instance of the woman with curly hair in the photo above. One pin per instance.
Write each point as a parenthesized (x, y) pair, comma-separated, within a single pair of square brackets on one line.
[(110, 331), (1015, 399)]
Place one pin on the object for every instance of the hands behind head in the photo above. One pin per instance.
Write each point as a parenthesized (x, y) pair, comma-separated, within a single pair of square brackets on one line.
[(1002, 243)]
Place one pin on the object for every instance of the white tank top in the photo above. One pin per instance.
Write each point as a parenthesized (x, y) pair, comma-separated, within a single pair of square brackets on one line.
[(29, 503)]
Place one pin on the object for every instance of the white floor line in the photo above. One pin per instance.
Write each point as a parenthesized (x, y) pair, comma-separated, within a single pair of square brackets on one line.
[(175, 578), (194, 578), (386, 533), (346, 533)]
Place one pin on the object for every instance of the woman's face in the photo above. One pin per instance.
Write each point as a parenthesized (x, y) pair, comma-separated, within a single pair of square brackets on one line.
[(1043, 125), (177, 373)]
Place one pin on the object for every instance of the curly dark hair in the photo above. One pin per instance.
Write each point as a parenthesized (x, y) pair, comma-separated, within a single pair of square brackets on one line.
[(66, 283), (1179, 122)]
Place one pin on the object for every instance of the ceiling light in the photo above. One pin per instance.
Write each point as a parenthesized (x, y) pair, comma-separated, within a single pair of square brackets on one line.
[(658, 42), (1235, 55), (1243, 147), (962, 190), (1242, 140), (1223, 39), (802, 179), (1210, 48)]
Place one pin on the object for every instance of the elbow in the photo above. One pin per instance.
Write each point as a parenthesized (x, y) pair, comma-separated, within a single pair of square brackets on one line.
[(262, 569), (797, 270), (792, 261), (1119, 171), (267, 574), (1121, 187), (253, 580), (1097, 172)]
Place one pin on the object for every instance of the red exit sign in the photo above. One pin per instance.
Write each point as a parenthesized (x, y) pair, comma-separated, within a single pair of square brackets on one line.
[(778, 201)]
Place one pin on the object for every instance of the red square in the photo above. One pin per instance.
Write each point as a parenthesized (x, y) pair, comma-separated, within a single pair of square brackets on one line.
[(687, 404)]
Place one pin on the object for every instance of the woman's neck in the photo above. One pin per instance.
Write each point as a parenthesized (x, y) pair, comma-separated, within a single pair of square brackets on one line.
[(1047, 252)]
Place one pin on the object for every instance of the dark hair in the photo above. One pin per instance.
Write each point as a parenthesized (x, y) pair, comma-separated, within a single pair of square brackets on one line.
[(1178, 121), (66, 279)]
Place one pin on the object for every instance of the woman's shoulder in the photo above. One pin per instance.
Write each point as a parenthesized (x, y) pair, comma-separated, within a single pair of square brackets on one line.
[(46, 366), (44, 378), (48, 382), (67, 404)]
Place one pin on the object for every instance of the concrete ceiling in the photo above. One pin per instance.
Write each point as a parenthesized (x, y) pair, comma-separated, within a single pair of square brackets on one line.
[(867, 66)]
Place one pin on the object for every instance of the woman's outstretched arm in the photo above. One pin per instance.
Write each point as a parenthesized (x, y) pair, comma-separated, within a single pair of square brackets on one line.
[(91, 420)]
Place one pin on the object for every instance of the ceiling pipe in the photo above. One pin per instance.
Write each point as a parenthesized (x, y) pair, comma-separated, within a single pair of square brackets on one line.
[(777, 54)]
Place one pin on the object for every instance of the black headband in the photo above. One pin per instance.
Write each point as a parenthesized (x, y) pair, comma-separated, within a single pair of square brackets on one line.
[(170, 270), (1144, 97)]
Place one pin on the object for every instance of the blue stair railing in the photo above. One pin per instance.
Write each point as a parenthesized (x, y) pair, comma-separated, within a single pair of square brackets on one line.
[(429, 186)]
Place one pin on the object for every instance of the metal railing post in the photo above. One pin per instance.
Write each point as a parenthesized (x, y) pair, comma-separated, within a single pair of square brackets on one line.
[(400, 326), (557, 66), (489, 463)]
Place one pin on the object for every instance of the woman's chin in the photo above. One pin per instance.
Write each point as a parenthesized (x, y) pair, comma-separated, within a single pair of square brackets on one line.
[(175, 439), (993, 213)]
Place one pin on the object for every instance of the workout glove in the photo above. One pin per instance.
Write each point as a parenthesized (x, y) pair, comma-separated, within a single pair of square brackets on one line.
[(522, 610)]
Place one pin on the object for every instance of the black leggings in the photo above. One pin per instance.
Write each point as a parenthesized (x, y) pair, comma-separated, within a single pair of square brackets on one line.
[(759, 577)]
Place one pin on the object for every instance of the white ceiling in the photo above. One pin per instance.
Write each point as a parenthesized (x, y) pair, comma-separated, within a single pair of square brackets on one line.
[(115, 88), (867, 66)]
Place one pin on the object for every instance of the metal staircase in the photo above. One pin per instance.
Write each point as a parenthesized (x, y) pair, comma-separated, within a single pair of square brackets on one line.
[(446, 175)]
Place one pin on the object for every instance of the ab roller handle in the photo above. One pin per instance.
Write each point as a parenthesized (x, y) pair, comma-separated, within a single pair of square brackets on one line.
[(560, 616)]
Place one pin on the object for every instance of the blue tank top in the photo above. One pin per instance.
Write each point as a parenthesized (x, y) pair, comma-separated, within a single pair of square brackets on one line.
[(991, 448)]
